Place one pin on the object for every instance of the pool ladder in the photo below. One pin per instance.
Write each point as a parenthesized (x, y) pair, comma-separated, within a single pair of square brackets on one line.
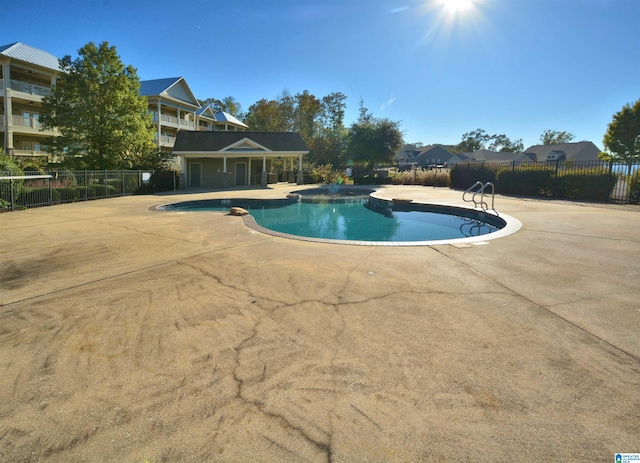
[(479, 188)]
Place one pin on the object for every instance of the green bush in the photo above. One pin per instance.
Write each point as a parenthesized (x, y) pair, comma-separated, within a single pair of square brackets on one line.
[(589, 187), (524, 182), (69, 194), (634, 187), (97, 190), (327, 174), (116, 183), (464, 175), (36, 196), (162, 180)]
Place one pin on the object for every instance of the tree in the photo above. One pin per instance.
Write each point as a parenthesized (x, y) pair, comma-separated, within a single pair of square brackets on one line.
[(307, 115), (479, 139), (228, 104), (554, 137), (473, 141), (622, 137), (374, 140), (503, 144), (98, 110)]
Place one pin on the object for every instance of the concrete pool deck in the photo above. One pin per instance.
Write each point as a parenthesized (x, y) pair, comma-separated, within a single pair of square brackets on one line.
[(131, 335)]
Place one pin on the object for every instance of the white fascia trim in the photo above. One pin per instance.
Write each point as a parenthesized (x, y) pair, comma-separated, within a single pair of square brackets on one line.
[(248, 141)]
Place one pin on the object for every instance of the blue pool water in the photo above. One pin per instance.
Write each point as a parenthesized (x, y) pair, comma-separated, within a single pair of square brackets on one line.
[(348, 219)]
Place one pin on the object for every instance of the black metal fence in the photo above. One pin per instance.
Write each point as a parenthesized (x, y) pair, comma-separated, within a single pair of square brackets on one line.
[(581, 180), (27, 190)]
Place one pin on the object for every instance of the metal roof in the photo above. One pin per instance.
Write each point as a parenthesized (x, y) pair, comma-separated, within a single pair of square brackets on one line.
[(21, 52), (222, 116), (156, 86)]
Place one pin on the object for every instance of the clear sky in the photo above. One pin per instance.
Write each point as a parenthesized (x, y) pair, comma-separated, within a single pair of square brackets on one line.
[(517, 67)]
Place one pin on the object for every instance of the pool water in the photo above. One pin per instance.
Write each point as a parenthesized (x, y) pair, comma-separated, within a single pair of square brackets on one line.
[(355, 222), (351, 220)]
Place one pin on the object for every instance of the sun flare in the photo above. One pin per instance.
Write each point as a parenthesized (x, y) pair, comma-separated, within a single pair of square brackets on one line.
[(457, 6)]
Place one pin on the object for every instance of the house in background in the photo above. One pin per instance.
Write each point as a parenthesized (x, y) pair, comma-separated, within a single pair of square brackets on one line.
[(406, 157), (424, 156), (28, 74), (218, 159), (435, 155), (581, 151)]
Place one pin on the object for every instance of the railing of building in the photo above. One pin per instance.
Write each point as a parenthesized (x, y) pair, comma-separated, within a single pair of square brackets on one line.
[(24, 191), (33, 89)]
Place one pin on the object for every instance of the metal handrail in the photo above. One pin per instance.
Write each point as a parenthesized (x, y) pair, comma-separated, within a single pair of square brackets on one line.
[(482, 203)]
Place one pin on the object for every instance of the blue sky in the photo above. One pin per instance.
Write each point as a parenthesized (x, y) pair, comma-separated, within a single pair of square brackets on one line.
[(516, 67)]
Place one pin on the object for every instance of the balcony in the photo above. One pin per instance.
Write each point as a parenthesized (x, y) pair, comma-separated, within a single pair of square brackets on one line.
[(30, 153), (171, 121), (25, 121), (166, 140), (30, 89)]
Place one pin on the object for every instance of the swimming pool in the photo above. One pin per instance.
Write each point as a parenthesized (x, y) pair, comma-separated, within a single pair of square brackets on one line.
[(359, 218)]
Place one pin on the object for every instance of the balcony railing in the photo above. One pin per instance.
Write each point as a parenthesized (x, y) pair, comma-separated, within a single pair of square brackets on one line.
[(29, 153), (174, 121), (31, 89), (167, 140), (25, 121)]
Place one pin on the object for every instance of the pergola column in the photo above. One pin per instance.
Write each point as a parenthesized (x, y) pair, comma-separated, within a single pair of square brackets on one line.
[(263, 181), (225, 178), (300, 176)]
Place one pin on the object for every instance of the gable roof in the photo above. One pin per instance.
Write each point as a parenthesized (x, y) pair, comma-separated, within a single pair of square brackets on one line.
[(581, 151), (28, 54), (218, 141), (222, 116), (435, 152), (175, 88), (207, 112)]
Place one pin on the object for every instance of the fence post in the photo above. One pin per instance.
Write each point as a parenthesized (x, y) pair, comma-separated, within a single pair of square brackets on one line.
[(106, 192), (50, 191), (122, 191), (12, 195)]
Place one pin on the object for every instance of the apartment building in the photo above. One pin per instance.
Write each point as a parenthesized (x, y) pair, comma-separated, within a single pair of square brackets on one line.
[(27, 76), (173, 107)]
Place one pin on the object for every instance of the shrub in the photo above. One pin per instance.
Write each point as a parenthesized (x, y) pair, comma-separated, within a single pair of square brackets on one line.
[(162, 180), (426, 177), (465, 175), (372, 180), (327, 174), (9, 165), (590, 187), (116, 183), (36, 196), (634, 187), (68, 194), (97, 190), (524, 182)]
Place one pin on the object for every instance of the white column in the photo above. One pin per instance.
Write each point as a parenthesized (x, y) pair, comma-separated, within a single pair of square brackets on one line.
[(8, 107), (159, 123), (263, 181)]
